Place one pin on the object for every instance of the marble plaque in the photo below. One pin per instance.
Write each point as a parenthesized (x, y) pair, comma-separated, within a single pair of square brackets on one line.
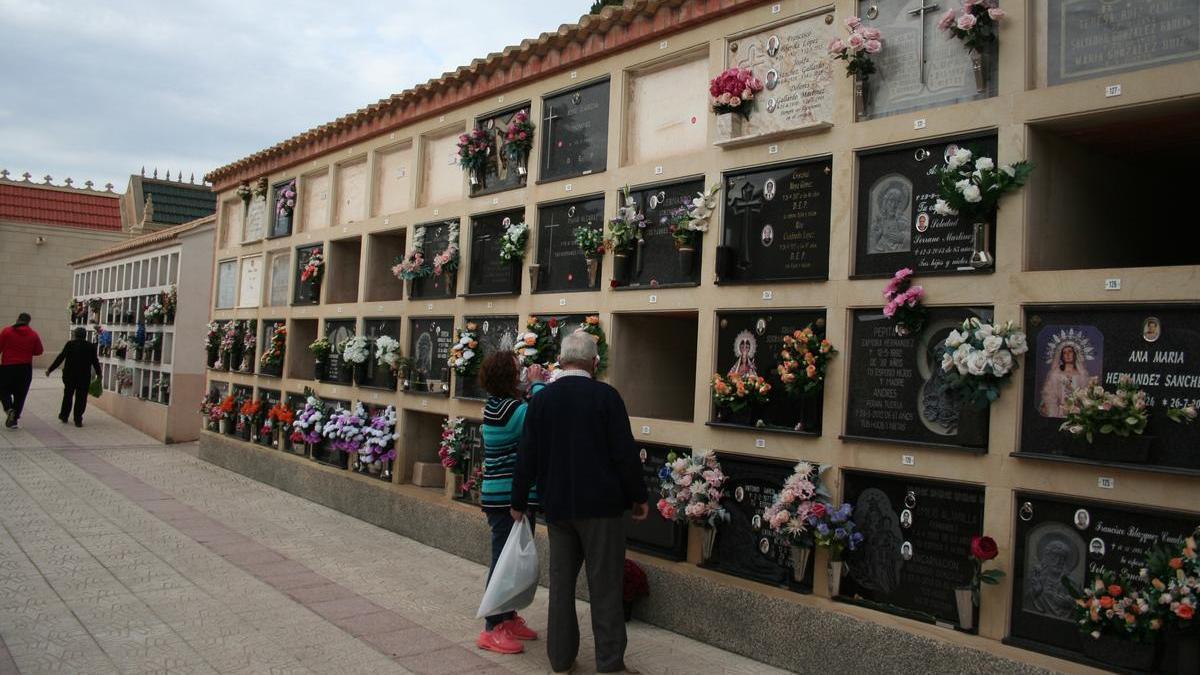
[(574, 132), (793, 63), (657, 535), (658, 262), (902, 82), (250, 294), (563, 266), (227, 284), (429, 341), (668, 111), (393, 180), (315, 211), (232, 213), (352, 192), (443, 179), (495, 334), (280, 266), (256, 219), (489, 273), (1095, 38)]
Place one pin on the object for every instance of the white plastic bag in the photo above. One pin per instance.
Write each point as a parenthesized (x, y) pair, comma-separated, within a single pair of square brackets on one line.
[(515, 578)]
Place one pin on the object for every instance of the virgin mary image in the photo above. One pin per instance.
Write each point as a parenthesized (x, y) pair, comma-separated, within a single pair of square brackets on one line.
[(745, 346), (1065, 366)]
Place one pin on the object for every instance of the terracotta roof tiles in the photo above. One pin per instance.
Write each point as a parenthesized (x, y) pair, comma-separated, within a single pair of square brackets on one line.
[(65, 207)]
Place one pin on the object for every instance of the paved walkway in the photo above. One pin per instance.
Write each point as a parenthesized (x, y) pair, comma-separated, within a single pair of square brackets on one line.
[(121, 555)]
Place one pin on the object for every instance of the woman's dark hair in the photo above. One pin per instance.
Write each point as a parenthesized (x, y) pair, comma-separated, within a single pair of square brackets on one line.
[(499, 374)]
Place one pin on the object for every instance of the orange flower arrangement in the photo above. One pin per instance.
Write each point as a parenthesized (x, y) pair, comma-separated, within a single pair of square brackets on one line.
[(803, 360)]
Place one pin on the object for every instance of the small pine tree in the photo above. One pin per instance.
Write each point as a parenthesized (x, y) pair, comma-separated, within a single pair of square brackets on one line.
[(601, 4)]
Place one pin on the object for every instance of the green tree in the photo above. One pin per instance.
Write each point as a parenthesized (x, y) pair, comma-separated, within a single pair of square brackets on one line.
[(601, 4)]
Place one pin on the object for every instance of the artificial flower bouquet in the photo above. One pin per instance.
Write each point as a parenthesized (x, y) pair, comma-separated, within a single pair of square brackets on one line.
[(980, 357), (309, 422), (212, 337), (154, 313), (518, 140), (903, 303), (387, 352), (313, 267), (249, 343), (590, 241), (737, 393), (344, 429), (834, 530), (591, 326), (628, 227), (380, 433), (462, 353), (273, 355), (512, 242), (687, 223), (231, 339), (971, 187), (983, 549), (1173, 576), (355, 350), (474, 149), (320, 348), (411, 266), (536, 345), (803, 360), (801, 495), (245, 192), (1119, 607), (692, 489), (858, 48), (285, 199), (733, 91), (975, 23), (1092, 410), (280, 416), (453, 450)]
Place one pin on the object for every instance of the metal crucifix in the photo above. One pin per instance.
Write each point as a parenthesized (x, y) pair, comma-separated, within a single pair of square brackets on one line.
[(920, 13)]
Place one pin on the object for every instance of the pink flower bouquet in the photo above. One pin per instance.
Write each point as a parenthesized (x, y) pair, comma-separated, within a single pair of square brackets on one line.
[(733, 91), (904, 302), (975, 23), (857, 49), (692, 489)]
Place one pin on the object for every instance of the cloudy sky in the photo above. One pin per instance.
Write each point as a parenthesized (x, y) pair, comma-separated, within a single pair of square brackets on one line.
[(95, 90)]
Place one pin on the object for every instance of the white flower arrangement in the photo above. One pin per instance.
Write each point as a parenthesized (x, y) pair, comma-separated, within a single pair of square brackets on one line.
[(387, 352), (688, 221), (972, 186), (462, 353), (380, 432), (512, 242), (980, 357), (354, 350)]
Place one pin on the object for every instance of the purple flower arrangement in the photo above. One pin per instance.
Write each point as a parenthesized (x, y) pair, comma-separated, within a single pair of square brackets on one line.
[(344, 430), (308, 424), (380, 433), (285, 199), (833, 529)]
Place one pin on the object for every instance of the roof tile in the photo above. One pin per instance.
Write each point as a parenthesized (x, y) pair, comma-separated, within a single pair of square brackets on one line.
[(31, 204)]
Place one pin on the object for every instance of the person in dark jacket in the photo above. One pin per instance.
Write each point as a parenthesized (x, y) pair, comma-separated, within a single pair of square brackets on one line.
[(18, 345), (78, 359), (578, 447)]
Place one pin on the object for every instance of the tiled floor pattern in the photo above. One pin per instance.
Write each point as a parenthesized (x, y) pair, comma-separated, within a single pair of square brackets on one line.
[(121, 555)]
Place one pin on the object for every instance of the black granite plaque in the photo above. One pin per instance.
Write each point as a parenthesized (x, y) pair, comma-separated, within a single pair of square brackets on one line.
[(575, 132), (745, 546), (563, 267), (1157, 345), (499, 173), (657, 535), (896, 390), (296, 403), (429, 341), (489, 272), (750, 342), (306, 292), (1095, 38), (561, 325), (379, 375), (321, 452), (338, 331), (1060, 537), (495, 334), (264, 345), (777, 221), (437, 237), (657, 263), (281, 223), (473, 430), (911, 570), (897, 226)]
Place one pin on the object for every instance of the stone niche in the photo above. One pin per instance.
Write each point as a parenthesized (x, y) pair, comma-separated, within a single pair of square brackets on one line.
[(232, 213), (500, 174), (657, 535), (420, 438), (473, 429), (437, 237), (656, 370), (656, 262), (281, 223), (1129, 156), (279, 270), (314, 205), (269, 399), (667, 111), (264, 344), (442, 179), (306, 292), (494, 334), (1084, 39), (379, 376), (296, 402), (250, 290), (341, 270), (792, 61), (351, 192), (561, 264), (488, 273), (383, 248), (429, 340), (393, 179), (300, 361), (574, 132), (338, 331)]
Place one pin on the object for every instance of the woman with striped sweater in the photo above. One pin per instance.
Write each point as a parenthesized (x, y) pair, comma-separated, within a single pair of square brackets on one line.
[(503, 423)]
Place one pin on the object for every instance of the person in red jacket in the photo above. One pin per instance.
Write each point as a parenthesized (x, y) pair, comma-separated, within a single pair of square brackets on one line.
[(18, 345)]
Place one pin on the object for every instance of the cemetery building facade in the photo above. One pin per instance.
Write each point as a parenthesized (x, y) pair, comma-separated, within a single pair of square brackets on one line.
[(403, 220)]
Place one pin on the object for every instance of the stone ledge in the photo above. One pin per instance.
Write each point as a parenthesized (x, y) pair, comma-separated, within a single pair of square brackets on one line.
[(762, 623)]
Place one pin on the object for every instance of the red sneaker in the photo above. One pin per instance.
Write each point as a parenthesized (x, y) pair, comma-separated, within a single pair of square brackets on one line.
[(516, 629), (498, 641)]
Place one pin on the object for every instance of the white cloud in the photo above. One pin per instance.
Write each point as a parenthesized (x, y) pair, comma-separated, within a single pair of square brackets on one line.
[(96, 90)]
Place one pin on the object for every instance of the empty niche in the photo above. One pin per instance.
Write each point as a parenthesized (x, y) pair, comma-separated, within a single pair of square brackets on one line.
[(314, 210), (300, 361), (442, 181), (383, 249), (1109, 154), (420, 438), (667, 114), (351, 192), (654, 364), (393, 179), (345, 257)]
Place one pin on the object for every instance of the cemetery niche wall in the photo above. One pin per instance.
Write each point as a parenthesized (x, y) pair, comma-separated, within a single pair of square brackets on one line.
[(494, 334), (657, 262), (489, 273), (775, 225), (561, 264), (896, 383), (656, 372), (1155, 346), (897, 226), (575, 132)]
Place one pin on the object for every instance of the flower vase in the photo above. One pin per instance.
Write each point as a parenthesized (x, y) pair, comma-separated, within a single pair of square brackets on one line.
[(1113, 651), (800, 557), (224, 426), (408, 285), (726, 257), (963, 598), (320, 369), (360, 374), (706, 544), (639, 258), (981, 254), (729, 126), (744, 417), (860, 98), (836, 569), (535, 271), (214, 358), (979, 68), (1133, 449), (687, 260), (593, 270), (620, 267), (523, 164)]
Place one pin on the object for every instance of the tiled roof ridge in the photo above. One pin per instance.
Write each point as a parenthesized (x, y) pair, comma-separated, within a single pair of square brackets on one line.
[(595, 35), (68, 185), (56, 207), (144, 240)]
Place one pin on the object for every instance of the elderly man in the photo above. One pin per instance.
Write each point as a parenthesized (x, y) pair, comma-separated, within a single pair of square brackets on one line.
[(578, 447), (78, 359)]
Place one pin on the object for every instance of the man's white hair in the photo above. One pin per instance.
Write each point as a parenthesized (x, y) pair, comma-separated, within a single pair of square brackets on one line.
[(578, 347)]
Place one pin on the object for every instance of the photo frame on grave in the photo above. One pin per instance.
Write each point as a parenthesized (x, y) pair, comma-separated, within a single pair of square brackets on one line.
[(474, 469), (775, 223), (656, 535), (429, 340), (438, 236), (896, 225), (749, 342), (488, 273), (321, 452), (574, 131), (911, 571), (379, 376), (657, 262), (338, 331), (305, 292), (281, 223), (561, 264), (1051, 542), (743, 546), (501, 173), (1087, 39), (895, 384), (1151, 343), (920, 66), (495, 333)]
